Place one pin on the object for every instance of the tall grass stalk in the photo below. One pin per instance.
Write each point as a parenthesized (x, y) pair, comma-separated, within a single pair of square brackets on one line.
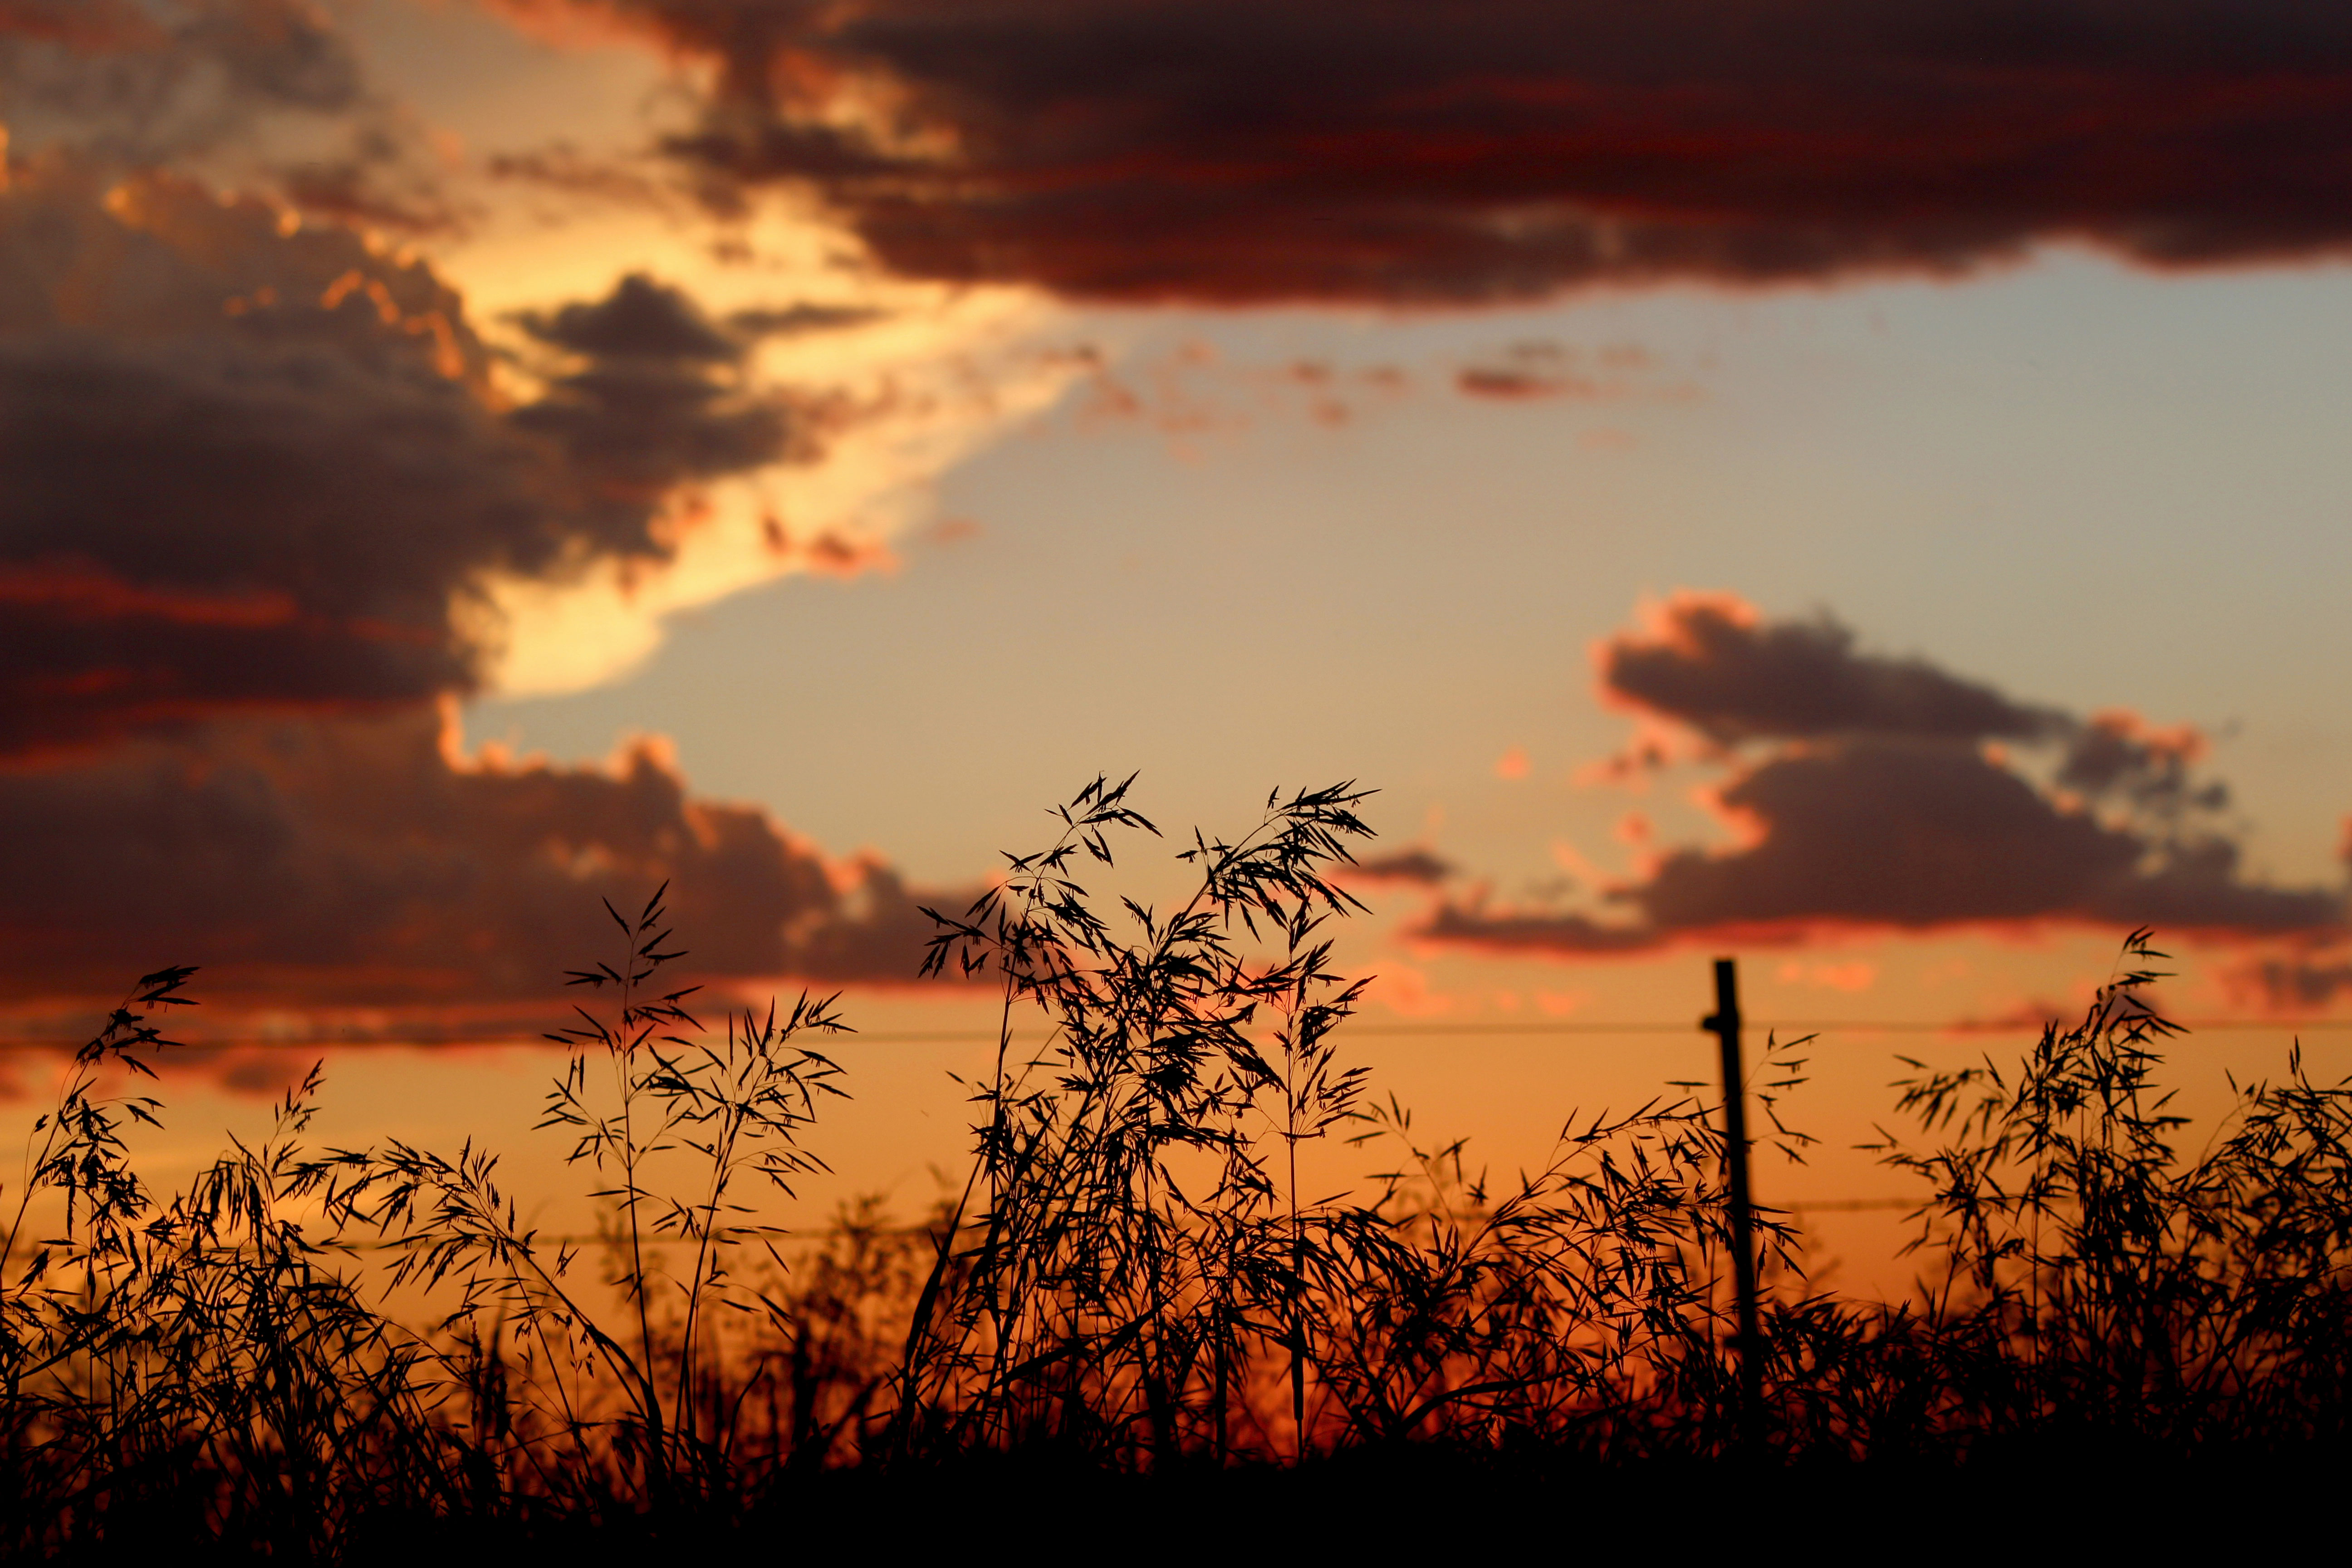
[(1131, 1278)]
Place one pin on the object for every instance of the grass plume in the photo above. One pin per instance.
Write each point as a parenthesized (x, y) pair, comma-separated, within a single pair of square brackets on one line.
[(1130, 1280)]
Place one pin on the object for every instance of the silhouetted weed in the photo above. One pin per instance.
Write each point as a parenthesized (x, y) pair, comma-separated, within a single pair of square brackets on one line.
[(1132, 1298)]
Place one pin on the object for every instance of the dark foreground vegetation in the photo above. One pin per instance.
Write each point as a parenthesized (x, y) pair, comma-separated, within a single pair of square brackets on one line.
[(1130, 1299)]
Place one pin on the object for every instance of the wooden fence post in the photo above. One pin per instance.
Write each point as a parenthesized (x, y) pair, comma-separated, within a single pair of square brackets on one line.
[(1724, 1024)]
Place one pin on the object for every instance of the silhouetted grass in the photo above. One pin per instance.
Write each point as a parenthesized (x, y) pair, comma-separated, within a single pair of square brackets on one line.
[(1130, 1294)]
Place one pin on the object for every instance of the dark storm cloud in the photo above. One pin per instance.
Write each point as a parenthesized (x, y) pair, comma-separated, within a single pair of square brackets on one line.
[(1443, 149), (1876, 800), (246, 468), (354, 860)]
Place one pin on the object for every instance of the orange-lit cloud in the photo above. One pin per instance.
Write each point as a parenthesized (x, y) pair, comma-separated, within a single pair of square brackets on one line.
[(1863, 793), (1218, 151)]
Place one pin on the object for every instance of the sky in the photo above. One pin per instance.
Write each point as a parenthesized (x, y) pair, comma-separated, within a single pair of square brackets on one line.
[(1858, 488)]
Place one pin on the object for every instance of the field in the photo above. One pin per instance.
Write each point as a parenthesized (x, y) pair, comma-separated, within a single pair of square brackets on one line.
[(1131, 1317)]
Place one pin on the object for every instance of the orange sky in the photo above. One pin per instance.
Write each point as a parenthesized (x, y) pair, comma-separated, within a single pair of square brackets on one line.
[(1864, 492)]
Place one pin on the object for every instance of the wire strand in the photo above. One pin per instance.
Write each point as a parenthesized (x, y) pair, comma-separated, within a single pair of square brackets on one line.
[(1560, 1029)]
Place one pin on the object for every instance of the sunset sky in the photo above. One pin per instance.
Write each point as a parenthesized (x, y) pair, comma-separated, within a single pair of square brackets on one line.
[(1862, 487)]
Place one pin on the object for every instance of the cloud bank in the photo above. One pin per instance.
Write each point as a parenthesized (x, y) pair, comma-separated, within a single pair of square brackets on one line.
[(1415, 867), (362, 860), (1866, 790), (251, 468), (258, 479), (145, 82), (1400, 149)]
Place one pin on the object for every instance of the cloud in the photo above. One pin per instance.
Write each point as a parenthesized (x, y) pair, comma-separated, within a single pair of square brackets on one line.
[(2291, 982), (1542, 369), (1420, 868), (376, 186), (648, 404), (1516, 383), (640, 322), (261, 94), (1708, 661), (1218, 151), (798, 319), (253, 466), (362, 860), (1511, 930), (562, 169), (2117, 754), (1862, 790), (261, 482), (1920, 833), (142, 82)]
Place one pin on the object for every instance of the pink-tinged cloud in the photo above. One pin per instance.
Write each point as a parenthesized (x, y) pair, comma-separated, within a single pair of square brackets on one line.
[(1863, 791), (1400, 150)]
